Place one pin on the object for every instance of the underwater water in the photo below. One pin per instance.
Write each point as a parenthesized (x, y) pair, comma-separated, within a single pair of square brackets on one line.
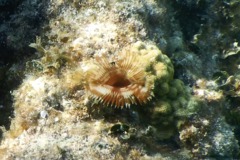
[(119, 79)]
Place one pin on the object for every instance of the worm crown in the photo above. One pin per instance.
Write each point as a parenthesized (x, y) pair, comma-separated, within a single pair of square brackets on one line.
[(118, 83)]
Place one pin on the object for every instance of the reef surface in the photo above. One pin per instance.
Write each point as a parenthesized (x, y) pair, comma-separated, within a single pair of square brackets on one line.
[(111, 79)]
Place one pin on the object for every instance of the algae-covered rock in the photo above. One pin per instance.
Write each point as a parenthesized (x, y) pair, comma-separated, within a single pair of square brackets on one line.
[(122, 80)]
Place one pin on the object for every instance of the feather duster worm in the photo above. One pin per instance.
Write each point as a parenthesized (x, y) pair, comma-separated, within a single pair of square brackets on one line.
[(120, 82)]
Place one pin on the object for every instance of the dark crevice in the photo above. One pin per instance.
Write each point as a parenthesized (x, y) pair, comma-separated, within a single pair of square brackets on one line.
[(20, 22), (191, 15)]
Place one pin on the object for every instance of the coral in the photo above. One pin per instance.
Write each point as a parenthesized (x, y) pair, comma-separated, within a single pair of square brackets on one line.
[(213, 138), (117, 53), (208, 90), (208, 133)]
